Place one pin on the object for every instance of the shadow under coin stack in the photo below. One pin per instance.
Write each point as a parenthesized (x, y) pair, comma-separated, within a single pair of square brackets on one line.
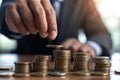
[(102, 66), (62, 60), (81, 64), (40, 65), (22, 69)]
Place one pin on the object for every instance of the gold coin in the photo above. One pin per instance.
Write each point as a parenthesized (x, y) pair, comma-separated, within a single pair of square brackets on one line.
[(39, 74), (22, 63), (62, 62), (102, 61), (101, 58), (65, 66), (21, 71), (102, 68), (81, 54), (103, 65), (62, 53), (42, 58), (62, 57), (99, 73), (54, 46), (85, 70), (62, 69), (81, 70), (41, 67), (81, 73), (81, 63), (22, 75), (81, 59)]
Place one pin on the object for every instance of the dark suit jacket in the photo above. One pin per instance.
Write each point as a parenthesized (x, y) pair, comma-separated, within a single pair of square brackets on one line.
[(74, 14)]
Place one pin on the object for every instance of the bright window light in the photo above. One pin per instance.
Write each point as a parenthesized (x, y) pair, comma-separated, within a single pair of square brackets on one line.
[(6, 43)]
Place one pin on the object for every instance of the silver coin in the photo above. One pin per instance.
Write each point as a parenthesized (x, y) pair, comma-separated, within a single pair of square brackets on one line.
[(6, 73), (56, 73)]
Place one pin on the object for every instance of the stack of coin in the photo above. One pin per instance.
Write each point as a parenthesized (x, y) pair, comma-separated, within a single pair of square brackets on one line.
[(62, 60), (22, 69), (40, 65), (102, 65), (81, 63)]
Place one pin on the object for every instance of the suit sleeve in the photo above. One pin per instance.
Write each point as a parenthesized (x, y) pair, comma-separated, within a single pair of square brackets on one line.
[(3, 26), (94, 28)]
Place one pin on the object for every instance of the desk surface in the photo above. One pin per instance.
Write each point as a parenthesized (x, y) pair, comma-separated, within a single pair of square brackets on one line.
[(10, 58)]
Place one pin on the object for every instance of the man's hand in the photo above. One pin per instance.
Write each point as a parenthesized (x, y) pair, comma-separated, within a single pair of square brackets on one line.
[(76, 46), (32, 16)]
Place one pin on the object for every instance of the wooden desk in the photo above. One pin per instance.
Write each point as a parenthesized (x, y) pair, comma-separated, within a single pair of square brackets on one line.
[(112, 76)]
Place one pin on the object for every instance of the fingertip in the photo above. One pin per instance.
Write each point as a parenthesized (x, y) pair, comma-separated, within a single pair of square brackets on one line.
[(27, 33), (53, 35), (44, 35)]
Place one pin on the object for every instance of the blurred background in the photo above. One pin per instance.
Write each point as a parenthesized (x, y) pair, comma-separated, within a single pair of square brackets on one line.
[(110, 14)]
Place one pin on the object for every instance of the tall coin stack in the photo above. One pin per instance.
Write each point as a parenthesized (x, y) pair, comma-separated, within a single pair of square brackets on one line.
[(102, 65), (62, 60), (81, 64), (40, 65), (22, 69)]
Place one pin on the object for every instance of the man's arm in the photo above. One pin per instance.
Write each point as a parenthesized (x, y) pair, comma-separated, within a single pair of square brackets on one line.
[(94, 28)]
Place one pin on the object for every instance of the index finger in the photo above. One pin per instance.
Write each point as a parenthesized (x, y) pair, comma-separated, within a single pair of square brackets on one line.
[(51, 19)]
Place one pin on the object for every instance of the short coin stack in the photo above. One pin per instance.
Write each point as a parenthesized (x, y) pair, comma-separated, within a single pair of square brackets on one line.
[(102, 66), (81, 63), (40, 65), (22, 69), (62, 60)]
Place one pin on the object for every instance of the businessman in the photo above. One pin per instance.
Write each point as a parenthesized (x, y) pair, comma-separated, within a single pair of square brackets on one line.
[(36, 23)]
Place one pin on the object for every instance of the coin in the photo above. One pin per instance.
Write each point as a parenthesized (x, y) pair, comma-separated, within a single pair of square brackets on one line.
[(99, 73), (6, 68), (62, 53), (62, 60), (22, 69), (81, 63), (102, 68), (102, 65), (6, 73), (101, 59), (40, 64), (39, 74), (40, 58), (22, 75), (22, 63), (54, 46), (77, 59), (117, 71), (81, 54), (81, 73), (56, 73)]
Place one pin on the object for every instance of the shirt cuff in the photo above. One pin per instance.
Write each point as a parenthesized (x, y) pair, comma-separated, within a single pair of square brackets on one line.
[(96, 46)]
